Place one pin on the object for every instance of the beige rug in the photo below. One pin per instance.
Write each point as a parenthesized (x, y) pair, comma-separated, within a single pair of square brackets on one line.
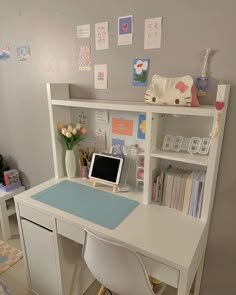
[(9, 255)]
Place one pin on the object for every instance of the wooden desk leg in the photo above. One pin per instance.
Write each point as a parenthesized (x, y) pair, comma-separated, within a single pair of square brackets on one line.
[(102, 290), (199, 276), (6, 232)]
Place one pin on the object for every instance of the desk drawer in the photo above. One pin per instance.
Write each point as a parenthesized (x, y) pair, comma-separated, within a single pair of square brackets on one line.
[(36, 216), (164, 273), (72, 232)]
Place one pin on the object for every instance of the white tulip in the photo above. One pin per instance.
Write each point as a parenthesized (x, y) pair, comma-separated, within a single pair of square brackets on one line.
[(68, 134), (74, 131), (78, 126), (63, 131), (70, 128)]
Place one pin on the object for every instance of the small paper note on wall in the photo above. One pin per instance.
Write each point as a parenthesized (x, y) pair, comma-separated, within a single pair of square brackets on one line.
[(83, 31), (84, 58), (100, 76), (122, 126), (152, 33), (23, 53), (140, 71), (101, 35), (5, 53)]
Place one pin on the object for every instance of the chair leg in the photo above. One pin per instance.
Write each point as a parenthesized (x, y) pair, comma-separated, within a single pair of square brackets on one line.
[(102, 290)]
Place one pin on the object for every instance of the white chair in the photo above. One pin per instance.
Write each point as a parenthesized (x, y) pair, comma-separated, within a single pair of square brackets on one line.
[(116, 267)]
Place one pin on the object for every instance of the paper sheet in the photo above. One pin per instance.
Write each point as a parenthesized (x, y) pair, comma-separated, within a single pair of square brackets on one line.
[(152, 33), (140, 71), (100, 76), (84, 58), (117, 145), (100, 140), (125, 30), (101, 35), (122, 126), (101, 116), (23, 53), (5, 53), (83, 119), (141, 126), (83, 31)]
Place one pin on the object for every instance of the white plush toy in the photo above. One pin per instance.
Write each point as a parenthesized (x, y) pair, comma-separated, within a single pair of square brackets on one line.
[(172, 91)]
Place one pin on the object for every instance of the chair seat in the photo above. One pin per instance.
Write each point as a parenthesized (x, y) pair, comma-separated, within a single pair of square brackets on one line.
[(118, 268)]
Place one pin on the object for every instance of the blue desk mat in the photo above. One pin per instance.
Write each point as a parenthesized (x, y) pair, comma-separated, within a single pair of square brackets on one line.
[(103, 208)]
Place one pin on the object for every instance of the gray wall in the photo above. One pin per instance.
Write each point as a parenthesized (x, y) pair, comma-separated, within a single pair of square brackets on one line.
[(49, 27)]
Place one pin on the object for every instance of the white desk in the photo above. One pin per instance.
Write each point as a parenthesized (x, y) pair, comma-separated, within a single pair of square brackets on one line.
[(170, 243), (6, 212)]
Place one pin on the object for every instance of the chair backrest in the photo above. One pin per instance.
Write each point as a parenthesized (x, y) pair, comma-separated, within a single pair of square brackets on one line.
[(116, 267)]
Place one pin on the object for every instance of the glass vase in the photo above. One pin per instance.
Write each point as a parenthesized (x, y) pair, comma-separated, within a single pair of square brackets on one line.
[(70, 163)]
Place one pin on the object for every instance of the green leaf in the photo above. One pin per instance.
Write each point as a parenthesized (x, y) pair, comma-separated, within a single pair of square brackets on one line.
[(69, 143), (142, 77)]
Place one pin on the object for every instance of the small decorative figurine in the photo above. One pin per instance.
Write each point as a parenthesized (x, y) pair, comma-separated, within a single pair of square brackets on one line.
[(202, 82)]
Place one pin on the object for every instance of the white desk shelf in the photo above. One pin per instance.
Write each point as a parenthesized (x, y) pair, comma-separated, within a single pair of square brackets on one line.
[(161, 120), (134, 106), (171, 244), (181, 157)]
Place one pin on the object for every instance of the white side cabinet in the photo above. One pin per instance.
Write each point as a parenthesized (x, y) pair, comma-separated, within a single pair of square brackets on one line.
[(40, 255)]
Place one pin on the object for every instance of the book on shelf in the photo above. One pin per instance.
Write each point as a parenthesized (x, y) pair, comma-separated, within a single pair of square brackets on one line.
[(199, 208), (197, 194), (161, 184), (187, 192), (154, 188), (169, 183), (180, 189), (158, 186), (183, 181)]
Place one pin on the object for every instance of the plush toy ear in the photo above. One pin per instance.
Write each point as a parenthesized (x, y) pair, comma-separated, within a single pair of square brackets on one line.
[(195, 102)]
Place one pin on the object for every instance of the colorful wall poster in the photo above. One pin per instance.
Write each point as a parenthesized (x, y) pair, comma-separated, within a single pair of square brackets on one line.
[(101, 36), (23, 52), (100, 76), (125, 30), (83, 31), (122, 126), (5, 53), (152, 33), (141, 126), (84, 58), (140, 71)]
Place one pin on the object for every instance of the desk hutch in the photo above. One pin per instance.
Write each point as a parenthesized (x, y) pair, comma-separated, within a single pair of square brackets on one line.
[(171, 244)]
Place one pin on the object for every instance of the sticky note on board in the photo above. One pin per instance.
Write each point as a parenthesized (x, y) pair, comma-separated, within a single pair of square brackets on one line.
[(122, 126)]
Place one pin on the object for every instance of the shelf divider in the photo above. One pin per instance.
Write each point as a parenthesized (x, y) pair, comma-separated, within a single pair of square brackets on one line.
[(201, 160)]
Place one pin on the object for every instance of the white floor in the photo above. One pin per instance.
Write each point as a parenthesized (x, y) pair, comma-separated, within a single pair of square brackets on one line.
[(15, 280)]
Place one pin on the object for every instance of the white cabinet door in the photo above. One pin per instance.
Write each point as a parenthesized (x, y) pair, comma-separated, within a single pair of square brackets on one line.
[(40, 254)]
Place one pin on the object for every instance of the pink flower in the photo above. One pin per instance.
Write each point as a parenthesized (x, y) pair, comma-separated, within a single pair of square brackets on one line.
[(83, 131), (60, 126)]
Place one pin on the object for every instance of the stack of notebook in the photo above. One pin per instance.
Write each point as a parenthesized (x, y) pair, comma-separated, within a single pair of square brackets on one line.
[(180, 189)]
